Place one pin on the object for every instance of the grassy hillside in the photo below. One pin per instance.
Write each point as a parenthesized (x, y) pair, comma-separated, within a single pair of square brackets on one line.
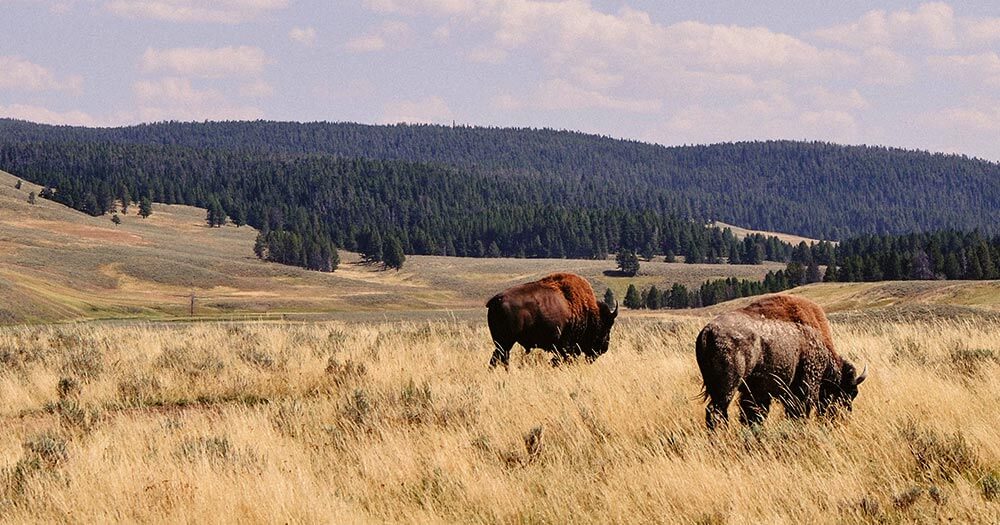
[(785, 237), (60, 264)]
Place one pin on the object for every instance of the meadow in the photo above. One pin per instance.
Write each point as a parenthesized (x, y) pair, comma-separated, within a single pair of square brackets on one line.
[(364, 396), (403, 422)]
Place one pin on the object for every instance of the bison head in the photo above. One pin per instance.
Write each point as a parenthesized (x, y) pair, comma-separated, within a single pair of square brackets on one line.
[(608, 316), (835, 395)]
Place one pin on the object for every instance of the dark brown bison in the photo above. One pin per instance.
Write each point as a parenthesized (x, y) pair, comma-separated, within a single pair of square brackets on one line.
[(557, 313), (778, 347)]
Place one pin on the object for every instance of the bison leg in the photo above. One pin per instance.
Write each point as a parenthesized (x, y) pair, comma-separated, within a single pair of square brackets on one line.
[(717, 412), (501, 353), (753, 407)]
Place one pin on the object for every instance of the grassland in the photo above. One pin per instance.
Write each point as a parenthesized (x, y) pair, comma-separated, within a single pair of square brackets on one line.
[(743, 232), (380, 407), (402, 422), (58, 264)]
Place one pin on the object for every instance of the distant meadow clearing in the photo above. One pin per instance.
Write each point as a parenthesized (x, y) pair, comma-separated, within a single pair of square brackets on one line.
[(402, 422)]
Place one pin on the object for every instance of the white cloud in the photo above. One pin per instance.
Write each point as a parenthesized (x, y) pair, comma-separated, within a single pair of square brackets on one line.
[(932, 24), (431, 110), (441, 33), (303, 35), (773, 117), (559, 94), (206, 62), (749, 49), (883, 66), (822, 97), (969, 120), (47, 116), (410, 7), (177, 99), (981, 67), (389, 33), (982, 31), (160, 113), (176, 92), (487, 55), (19, 74), (257, 89), (214, 11)]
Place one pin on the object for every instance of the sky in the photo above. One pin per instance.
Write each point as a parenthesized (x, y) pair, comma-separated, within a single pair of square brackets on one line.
[(908, 74)]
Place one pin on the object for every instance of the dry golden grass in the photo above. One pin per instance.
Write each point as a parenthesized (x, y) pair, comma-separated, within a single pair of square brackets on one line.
[(743, 232), (402, 422)]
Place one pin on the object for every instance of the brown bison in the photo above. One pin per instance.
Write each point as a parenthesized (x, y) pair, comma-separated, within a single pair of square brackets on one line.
[(557, 313), (778, 347)]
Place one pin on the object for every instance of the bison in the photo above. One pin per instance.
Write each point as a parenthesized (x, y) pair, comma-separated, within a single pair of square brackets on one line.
[(778, 347), (557, 313)]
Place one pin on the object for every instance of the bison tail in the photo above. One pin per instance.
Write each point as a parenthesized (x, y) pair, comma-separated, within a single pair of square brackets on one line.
[(705, 340)]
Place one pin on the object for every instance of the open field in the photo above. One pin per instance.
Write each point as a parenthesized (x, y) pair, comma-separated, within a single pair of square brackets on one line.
[(60, 264), (402, 422), (381, 407), (57, 264), (743, 232)]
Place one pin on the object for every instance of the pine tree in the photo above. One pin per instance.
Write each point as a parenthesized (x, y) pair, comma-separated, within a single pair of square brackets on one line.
[(394, 257), (795, 273), (145, 207), (260, 246), (632, 298), (216, 215), (653, 298), (830, 276), (609, 297), (813, 274), (116, 219), (31, 198), (17, 185), (920, 266), (239, 217), (679, 297), (952, 269), (628, 262)]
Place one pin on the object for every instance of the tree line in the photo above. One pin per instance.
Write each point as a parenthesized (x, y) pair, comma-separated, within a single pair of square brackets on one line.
[(948, 254), (305, 207)]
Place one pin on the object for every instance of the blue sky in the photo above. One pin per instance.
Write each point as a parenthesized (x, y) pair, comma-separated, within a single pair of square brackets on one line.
[(909, 74)]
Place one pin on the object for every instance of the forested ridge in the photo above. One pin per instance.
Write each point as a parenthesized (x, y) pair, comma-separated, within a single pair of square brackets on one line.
[(305, 205), (493, 191), (817, 190)]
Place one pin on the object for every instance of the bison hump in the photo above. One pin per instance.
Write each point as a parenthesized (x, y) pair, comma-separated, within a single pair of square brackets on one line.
[(577, 291), (793, 309)]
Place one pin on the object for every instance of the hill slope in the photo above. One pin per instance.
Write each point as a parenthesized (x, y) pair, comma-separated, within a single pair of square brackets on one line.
[(812, 189), (59, 264)]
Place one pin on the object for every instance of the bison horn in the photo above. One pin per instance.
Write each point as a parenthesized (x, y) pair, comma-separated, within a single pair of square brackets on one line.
[(614, 313), (861, 378)]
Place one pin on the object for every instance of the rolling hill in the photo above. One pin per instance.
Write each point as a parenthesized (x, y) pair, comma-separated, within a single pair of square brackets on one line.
[(60, 264), (816, 190)]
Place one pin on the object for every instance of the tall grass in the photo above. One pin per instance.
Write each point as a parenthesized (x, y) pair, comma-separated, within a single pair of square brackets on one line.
[(403, 422)]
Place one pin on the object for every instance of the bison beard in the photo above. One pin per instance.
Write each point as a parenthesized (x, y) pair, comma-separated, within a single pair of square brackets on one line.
[(558, 313), (777, 348)]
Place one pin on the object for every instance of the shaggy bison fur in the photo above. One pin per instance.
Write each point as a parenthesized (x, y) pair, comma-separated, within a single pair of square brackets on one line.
[(557, 313), (777, 348)]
